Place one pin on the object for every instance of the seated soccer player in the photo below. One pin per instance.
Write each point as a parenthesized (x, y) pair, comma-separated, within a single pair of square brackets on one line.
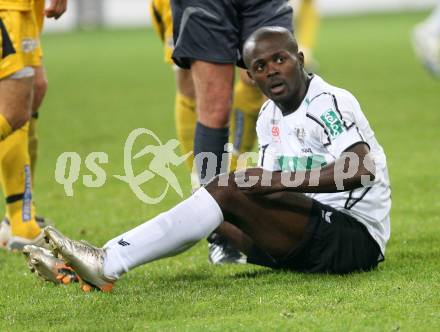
[(319, 202)]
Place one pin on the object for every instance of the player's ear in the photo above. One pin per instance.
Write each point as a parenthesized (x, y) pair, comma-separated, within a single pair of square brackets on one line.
[(300, 57), (250, 77)]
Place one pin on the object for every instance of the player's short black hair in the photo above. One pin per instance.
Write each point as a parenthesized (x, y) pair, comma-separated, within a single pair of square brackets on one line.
[(281, 34)]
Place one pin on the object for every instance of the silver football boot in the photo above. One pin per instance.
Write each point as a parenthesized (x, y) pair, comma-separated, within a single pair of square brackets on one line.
[(47, 266), (85, 259)]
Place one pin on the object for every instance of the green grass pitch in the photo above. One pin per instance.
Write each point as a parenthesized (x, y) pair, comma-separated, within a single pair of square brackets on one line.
[(104, 84)]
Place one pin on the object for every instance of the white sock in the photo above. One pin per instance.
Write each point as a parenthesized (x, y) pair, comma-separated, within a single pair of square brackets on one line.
[(166, 235)]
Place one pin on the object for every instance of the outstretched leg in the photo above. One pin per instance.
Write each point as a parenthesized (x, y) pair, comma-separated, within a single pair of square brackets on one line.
[(273, 223), (166, 235)]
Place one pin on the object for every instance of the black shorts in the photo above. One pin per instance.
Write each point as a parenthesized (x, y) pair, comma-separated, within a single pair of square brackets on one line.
[(334, 242), (215, 30)]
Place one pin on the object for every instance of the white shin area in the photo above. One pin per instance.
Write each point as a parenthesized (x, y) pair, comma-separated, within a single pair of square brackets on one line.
[(166, 235)]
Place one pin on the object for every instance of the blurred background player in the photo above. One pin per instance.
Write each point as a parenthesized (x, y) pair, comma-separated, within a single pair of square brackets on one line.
[(426, 42), (306, 29), (247, 101), (22, 88)]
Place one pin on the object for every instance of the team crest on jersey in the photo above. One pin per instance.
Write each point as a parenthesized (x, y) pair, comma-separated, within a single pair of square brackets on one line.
[(300, 134), (333, 123)]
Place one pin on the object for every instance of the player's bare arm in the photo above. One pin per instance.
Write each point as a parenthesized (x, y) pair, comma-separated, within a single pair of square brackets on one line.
[(346, 173)]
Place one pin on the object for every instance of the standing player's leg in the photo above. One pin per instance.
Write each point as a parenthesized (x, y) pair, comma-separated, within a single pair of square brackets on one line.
[(185, 103), (16, 76), (17, 188), (16, 86), (15, 95), (15, 99), (207, 43), (247, 98), (307, 28), (245, 108), (185, 112), (40, 88), (213, 85)]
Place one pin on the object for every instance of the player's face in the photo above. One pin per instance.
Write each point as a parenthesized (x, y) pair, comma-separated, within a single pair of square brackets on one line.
[(277, 72)]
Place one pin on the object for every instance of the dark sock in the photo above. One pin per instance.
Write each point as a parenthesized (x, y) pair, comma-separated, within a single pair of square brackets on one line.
[(212, 140)]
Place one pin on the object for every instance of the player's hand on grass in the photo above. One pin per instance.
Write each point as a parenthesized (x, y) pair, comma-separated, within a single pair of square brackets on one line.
[(56, 9)]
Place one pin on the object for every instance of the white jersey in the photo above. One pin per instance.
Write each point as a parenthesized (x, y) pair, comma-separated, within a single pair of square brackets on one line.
[(328, 122)]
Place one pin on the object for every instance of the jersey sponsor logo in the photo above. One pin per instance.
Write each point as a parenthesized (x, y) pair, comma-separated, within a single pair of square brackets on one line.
[(332, 123), (306, 150), (303, 163)]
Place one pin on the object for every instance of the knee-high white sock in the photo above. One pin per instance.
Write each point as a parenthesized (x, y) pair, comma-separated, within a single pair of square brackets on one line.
[(166, 235)]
